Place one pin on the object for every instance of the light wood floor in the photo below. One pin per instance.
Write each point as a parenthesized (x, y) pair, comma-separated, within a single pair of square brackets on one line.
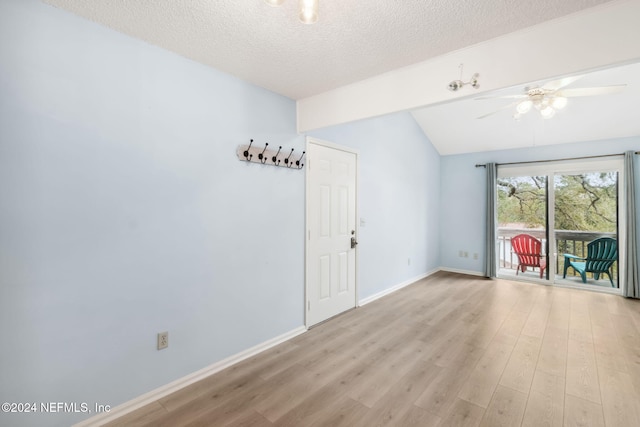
[(450, 350)]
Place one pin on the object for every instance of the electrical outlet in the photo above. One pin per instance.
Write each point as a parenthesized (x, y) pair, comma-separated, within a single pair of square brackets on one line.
[(466, 254), (475, 255), (460, 253), (163, 340)]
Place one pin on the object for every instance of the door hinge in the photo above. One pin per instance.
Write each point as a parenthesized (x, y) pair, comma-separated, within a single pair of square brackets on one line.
[(308, 305)]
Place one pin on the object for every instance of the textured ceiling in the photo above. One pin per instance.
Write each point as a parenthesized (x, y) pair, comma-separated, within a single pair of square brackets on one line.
[(357, 39), (353, 39)]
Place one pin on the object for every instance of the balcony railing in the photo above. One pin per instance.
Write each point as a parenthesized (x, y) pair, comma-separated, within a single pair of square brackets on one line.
[(567, 241)]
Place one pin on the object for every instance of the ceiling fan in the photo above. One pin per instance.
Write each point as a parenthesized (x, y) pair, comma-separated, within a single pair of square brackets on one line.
[(549, 97)]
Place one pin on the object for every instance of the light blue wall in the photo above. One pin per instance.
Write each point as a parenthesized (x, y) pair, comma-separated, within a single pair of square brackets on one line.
[(463, 193), (399, 188), (125, 212)]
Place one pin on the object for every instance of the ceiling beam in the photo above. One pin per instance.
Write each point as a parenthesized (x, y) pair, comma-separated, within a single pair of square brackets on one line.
[(595, 38)]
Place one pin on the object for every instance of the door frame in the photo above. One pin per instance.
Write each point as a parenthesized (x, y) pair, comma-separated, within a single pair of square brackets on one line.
[(307, 202), (553, 168)]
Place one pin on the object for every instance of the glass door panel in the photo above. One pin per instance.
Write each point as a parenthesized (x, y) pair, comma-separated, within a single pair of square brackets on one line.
[(585, 210), (522, 227)]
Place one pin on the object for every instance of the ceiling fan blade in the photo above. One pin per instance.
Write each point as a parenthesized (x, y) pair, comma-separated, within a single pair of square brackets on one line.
[(502, 97), (513, 104), (590, 91), (560, 83)]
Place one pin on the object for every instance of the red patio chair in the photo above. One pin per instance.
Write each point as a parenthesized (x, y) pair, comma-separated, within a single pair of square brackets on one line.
[(529, 251)]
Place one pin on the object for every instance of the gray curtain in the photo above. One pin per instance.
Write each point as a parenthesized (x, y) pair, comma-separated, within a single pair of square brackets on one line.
[(492, 223), (632, 289)]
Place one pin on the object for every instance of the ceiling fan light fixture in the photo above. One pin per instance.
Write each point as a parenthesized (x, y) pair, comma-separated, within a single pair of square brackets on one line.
[(548, 99), (523, 107), (547, 112), (274, 2), (559, 102), (309, 11)]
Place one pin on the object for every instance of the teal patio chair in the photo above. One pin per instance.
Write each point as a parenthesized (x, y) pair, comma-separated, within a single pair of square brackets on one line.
[(601, 254)]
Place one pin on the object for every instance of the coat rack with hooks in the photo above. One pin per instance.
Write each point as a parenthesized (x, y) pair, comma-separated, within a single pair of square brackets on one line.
[(267, 156)]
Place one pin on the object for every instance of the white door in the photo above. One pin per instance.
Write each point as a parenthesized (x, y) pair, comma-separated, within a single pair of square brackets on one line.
[(331, 227)]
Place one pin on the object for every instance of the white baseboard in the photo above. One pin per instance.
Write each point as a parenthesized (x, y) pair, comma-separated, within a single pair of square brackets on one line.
[(160, 392), (394, 288), (456, 270)]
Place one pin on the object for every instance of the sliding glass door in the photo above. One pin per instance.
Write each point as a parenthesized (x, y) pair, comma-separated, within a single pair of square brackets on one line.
[(559, 223)]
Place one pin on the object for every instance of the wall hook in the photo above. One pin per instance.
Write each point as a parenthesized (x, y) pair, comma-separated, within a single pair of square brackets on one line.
[(261, 156), (273, 159), (298, 164), (246, 152), (286, 161)]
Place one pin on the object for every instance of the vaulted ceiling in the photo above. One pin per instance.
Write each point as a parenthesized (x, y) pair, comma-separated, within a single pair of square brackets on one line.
[(457, 127), (356, 40)]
